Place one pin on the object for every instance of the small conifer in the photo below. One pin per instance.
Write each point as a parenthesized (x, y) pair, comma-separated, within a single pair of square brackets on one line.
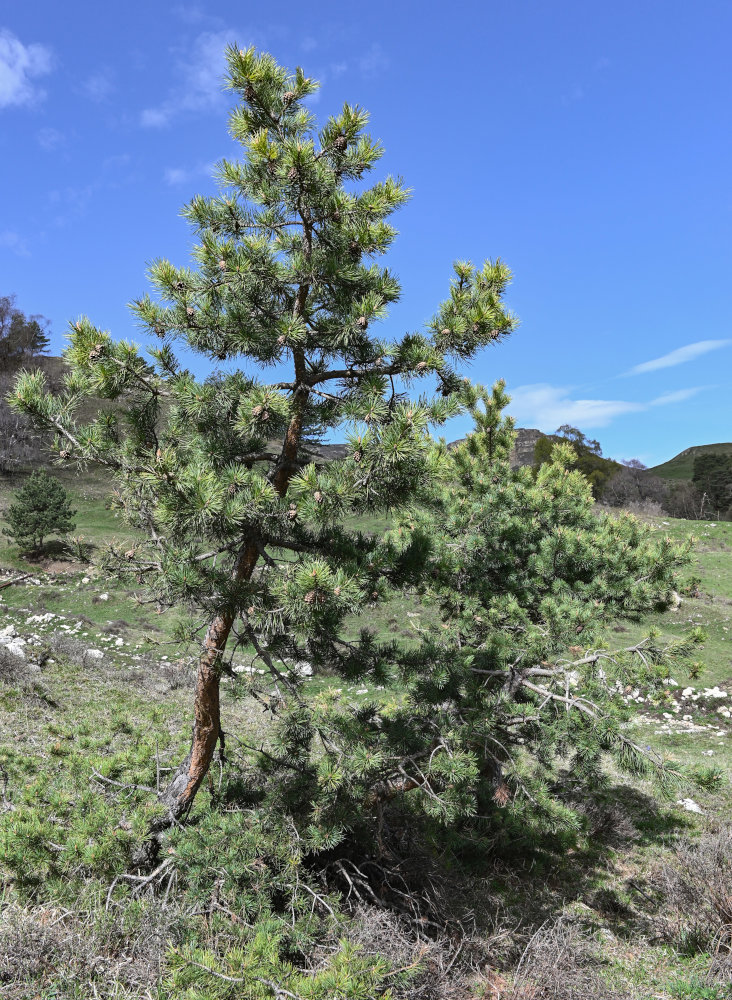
[(41, 508)]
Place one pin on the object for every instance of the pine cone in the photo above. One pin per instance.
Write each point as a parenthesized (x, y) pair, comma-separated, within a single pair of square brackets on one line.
[(340, 143), (446, 332), (354, 249), (318, 496), (222, 265), (288, 97), (249, 93), (190, 310), (362, 322), (421, 366), (292, 174), (282, 341)]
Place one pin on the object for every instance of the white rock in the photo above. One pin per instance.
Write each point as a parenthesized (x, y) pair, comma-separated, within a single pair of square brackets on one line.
[(119, 642), (707, 753), (104, 597), (689, 805), (93, 654), (9, 632), (85, 579), (16, 648), (687, 692), (40, 619), (362, 691), (303, 668)]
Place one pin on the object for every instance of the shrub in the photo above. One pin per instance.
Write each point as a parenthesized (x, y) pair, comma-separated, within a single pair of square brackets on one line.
[(41, 508)]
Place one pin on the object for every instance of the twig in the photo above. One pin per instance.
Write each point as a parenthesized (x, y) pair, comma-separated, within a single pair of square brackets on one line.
[(120, 784)]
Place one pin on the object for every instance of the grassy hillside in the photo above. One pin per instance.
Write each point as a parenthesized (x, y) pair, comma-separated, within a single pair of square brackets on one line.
[(78, 733), (682, 465)]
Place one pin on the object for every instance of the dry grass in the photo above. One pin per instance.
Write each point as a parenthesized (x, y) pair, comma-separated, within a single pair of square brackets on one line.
[(697, 889), (42, 947)]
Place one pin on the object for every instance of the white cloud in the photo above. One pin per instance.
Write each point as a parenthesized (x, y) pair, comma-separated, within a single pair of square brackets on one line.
[(19, 66), (201, 69), (374, 61), (50, 138), (547, 406), (15, 243), (98, 86), (676, 397), (679, 356), (175, 176)]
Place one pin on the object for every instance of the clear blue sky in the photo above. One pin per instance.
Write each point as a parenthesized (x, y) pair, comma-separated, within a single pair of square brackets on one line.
[(587, 144)]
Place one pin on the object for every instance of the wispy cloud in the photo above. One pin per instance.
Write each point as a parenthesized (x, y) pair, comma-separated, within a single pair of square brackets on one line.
[(679, 357), (679, 396), (200, 69), (548, 406), (14, 243), (98, 86), (374, 61), (50, 139), (20, 65), (175, 176)]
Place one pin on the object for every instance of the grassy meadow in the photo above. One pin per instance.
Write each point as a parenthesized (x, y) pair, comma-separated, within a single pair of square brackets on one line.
[(99, 710)]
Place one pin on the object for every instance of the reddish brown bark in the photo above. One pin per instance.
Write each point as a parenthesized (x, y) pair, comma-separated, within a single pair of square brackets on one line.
[(186, 781), (181, 791)]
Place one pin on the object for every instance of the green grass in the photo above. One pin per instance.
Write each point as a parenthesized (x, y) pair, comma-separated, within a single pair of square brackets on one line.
[(681, 466), (128, 717)]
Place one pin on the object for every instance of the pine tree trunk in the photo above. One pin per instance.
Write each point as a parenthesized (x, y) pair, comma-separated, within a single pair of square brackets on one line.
[(179, 795)]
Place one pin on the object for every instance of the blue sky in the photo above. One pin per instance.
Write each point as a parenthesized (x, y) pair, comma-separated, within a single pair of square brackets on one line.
[(587, 144)]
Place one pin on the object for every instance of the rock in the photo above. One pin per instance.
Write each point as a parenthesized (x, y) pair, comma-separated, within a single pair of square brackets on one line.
[(104, 597), (689, 805), (93, 654)]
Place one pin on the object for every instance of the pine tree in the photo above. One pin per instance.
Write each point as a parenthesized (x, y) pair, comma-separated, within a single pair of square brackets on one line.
[(243, 526), (21, 336), (512, 675), (41, 508), (712, 475)]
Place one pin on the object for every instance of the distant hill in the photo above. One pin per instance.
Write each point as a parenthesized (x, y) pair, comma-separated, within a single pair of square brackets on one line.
[(682, 465), (522, 453)]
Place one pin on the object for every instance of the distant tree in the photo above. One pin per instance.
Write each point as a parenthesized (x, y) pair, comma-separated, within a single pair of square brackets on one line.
[(21, 337), (15, 440), (632, 484), (712, 476), (590, 461), (542, 451), (684, 500), (41, 508)]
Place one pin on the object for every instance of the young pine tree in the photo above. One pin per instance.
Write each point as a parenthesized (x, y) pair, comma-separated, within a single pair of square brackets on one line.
[(241, 526), (41, 508), (511, 698)]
